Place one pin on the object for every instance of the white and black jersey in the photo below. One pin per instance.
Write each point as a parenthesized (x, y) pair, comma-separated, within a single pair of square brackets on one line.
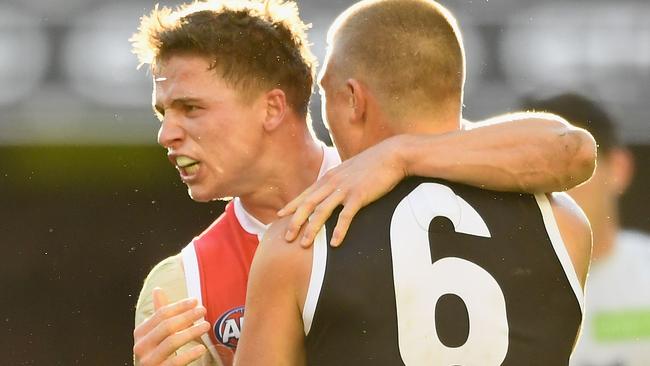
[(439, 273)]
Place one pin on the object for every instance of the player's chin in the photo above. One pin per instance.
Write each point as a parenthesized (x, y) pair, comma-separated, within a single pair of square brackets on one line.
[(199, 195)]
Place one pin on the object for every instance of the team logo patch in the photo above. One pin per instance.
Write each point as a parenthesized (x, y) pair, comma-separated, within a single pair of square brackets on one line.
[(227, 329)]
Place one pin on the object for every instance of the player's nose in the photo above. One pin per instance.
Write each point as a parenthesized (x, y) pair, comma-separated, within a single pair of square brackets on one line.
[(171, 132)]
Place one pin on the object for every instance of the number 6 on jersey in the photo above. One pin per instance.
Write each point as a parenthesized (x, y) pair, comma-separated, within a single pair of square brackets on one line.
[(419, 284)]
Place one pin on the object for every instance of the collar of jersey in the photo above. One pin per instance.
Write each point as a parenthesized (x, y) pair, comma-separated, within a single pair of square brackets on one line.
[(247, 221)]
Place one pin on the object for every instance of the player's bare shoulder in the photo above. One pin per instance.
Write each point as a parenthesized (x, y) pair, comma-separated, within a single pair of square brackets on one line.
[(275, 247), (287, 262), (575, 231)]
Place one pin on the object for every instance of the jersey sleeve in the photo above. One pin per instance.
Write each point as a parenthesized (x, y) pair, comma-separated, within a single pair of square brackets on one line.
[(169, 276)]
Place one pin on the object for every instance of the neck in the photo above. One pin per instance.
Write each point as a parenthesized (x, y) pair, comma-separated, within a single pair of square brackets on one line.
[(291, 163), (430, 126), (382, 127)]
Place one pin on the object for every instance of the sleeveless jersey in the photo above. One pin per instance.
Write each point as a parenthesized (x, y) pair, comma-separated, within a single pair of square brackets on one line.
[(216, 265), (438, 273)]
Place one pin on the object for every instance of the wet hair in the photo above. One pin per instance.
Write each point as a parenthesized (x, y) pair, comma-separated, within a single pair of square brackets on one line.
[(254, 45)]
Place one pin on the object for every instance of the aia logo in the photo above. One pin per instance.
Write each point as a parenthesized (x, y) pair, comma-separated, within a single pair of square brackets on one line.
[(227, 329)]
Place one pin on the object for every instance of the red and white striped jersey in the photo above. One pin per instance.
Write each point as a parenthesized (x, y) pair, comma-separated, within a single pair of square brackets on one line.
[(216, 265)]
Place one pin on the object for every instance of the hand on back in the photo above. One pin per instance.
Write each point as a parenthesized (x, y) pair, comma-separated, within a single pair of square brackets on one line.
[(354, 184)]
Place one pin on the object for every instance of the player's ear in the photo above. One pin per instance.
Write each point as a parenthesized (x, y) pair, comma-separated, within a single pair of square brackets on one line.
[(276, 107), (357, 100)]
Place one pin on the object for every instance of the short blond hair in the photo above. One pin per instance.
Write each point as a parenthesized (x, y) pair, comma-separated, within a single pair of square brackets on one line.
[(410, 52), (255, 45)]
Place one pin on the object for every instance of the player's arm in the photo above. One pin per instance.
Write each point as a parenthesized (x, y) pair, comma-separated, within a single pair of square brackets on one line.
[(165, 333), (575, 231), (521, 152), (274, 333), (530, 152)]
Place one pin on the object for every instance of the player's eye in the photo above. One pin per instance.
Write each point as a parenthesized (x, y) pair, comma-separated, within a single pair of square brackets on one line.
[(188, 108)]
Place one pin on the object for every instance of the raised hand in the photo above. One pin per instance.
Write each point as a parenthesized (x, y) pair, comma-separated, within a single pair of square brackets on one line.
[(158, 339)]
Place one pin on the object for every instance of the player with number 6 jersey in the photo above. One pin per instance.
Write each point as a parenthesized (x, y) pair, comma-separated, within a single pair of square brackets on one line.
[(438, 273), (434, 272)]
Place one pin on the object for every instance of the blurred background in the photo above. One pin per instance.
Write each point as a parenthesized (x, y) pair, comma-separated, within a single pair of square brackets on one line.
[(89, 203)]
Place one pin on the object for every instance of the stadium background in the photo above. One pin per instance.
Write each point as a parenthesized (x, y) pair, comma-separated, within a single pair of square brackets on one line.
[(89, 203)]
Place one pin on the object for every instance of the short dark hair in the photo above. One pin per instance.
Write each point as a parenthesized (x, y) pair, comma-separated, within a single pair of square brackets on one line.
[(581, 112), (255, 45)]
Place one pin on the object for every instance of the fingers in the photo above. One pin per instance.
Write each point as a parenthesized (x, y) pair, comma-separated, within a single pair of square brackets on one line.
[(308, 205), (345, 219), (176, 324), (168, 329), (296, 220), (291, 207), (159, 298), (154, 355), (162, 314), (186, 357), (320, 214), (172, 343)]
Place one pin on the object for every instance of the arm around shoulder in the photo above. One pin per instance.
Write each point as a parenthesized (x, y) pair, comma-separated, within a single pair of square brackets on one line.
[(574, 160), (564, 152), (575, 231), (524, 152)]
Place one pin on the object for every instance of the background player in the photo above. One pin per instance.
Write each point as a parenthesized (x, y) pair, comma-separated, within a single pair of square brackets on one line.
[(616, 330), (234, 121), (435, 272)]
